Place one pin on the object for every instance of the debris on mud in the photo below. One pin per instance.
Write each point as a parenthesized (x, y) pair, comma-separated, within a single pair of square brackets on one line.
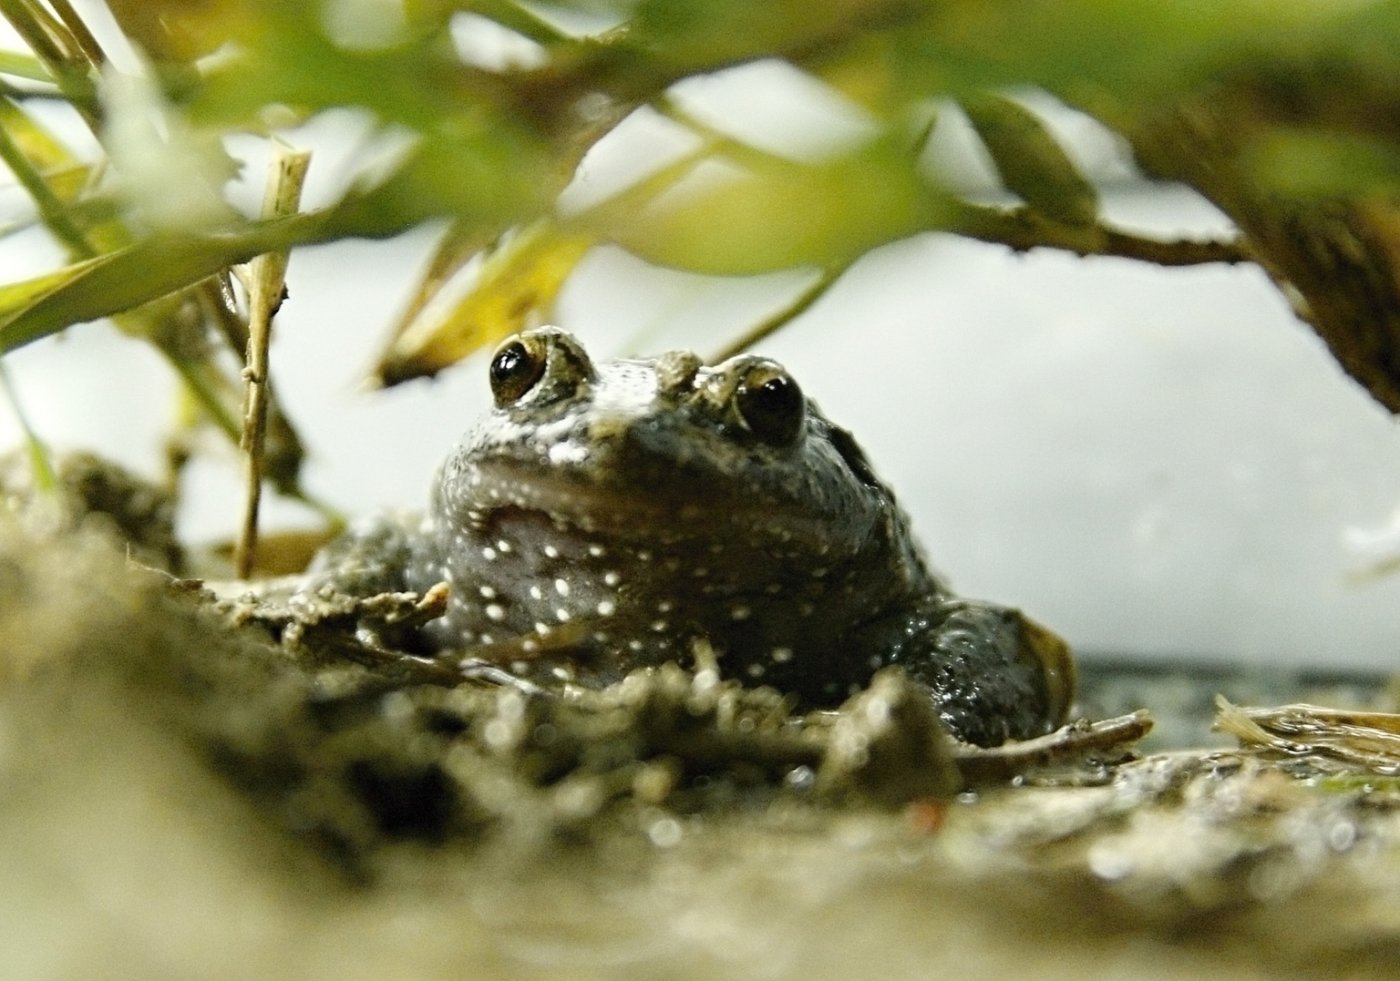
[(211, 766)]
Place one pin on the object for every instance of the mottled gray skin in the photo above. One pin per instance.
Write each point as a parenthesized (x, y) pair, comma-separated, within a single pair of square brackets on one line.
[(610, 515)]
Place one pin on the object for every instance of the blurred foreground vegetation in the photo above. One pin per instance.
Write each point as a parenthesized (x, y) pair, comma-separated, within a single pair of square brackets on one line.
[(477, 114)]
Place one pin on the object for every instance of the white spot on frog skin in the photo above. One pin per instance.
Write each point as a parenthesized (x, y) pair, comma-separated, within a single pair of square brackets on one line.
[(503, 546), (567, 452), (487, 639), (529, 645), (488, 553), (740, 612), (561, 586), (495, 611), (659, 626), (665, 606), (606, 608), (635, 646), (542, 629), (820, 572), (562, 615), (773, 588), (755, 670), (643, 555), (487, 592), (550, 552), (612, 578), (536, 592), (597, 551), (700, 572), (781, 655)]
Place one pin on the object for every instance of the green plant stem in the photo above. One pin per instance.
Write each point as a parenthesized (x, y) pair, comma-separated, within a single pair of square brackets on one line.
[(80, 33), (59, 52), (52, 211), (40, 462)]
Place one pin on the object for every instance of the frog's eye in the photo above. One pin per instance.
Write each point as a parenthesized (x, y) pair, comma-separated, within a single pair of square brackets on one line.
[(771, 405), (515, 368)]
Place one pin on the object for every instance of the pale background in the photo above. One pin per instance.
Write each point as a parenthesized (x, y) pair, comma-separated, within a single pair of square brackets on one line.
[(1152, 462)]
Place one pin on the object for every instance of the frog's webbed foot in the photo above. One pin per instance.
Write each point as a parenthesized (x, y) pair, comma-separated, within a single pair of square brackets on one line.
[(997, 674)]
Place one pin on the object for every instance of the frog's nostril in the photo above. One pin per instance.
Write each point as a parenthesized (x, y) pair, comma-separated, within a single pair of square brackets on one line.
[(676, 371)]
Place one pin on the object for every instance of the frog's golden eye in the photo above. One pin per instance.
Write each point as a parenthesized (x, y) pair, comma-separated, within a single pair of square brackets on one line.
[(771, 405), (515, 368)]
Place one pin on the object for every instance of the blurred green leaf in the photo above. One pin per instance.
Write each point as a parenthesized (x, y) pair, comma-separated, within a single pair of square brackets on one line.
[(1030, 161), (1132, 52), (1303, 163), (23, 65), (779, 214), (700, 35), (125, 279)]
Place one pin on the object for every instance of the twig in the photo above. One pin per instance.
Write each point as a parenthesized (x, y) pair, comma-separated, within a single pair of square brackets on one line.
[(771, 324), (269, 273), (1074, 741), (1023, 229)]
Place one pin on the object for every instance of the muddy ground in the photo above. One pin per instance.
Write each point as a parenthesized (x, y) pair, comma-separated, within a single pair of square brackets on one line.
[(182, 797)]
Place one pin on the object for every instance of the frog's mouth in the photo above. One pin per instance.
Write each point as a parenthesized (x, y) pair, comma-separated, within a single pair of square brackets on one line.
[(505, 494)]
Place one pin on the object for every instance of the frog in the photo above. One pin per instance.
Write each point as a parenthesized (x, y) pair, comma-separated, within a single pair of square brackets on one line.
[(609, 515)]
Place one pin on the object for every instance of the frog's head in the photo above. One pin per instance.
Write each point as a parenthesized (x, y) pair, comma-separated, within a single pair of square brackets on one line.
[(665, 450), (662, 499)]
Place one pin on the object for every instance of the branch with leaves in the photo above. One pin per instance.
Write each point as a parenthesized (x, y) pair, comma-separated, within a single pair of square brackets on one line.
[(1283, 122)]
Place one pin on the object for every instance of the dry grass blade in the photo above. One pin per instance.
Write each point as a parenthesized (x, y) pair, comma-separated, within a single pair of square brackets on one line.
[(462, 307), (269, 275), (1327, 737)]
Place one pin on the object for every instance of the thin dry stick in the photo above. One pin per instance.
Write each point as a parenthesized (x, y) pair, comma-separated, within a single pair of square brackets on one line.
[(268, 279), (1023, 229), (794, 308)]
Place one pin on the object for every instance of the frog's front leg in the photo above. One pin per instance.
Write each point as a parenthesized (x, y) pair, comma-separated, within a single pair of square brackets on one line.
[(374, 555), (997, 674)]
